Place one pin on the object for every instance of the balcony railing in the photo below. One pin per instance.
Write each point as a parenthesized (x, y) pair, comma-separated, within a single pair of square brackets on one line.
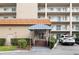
[(75, 9), (53, 9), (8, 10), (41, 9), (58, 9)]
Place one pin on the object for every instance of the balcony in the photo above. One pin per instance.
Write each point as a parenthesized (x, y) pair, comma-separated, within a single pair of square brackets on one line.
[(75, 18), (8, 17), (76, 27), (53, 9), (75, 9), (41, 17), (41, 9), (57, 9), (8, 10), (60, 28), (58, 19)]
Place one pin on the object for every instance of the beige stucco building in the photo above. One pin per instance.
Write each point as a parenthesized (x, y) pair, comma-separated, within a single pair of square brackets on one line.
[(63, 18)]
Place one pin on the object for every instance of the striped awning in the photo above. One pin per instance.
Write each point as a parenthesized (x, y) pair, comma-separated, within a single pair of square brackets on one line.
[(39, 26)]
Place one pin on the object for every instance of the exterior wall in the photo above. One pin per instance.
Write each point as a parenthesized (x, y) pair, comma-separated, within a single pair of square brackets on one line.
[(26, 10), (14, 31)]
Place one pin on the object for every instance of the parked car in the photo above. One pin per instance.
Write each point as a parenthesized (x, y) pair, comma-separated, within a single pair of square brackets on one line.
[(65, 39)]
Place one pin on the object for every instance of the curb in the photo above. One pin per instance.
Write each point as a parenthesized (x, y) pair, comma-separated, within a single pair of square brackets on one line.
[(14, 51)]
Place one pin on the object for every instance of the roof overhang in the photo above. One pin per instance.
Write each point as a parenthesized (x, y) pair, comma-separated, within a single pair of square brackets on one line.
[(24, 21), (40, 27)]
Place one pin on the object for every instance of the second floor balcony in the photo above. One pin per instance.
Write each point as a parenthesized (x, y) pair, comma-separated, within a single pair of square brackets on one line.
[(7, 10), (58, 9), (65, 28)]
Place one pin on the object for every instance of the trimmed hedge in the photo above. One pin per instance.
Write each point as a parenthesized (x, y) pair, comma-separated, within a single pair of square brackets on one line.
[(2, 41), (14, 41), (51, 42)]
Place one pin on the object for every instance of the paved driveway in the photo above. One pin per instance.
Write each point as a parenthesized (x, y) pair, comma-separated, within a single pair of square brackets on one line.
[(59, 50)]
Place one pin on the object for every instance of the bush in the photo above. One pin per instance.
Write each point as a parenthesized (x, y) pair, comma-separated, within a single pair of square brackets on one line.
[(77, 40), (51, 42), (22, 43), (14, 41), (2, 41)]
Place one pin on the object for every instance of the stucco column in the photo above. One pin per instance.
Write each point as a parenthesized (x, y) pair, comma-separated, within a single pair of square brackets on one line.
[(70, 19), (8, 42), (8, 39), (47, 35), (46, 10)]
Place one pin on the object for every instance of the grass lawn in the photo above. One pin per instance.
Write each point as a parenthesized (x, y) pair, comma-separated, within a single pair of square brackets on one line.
[(7, 48)]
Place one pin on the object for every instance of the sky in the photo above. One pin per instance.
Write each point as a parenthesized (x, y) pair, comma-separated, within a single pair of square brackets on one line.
[(39, 1)]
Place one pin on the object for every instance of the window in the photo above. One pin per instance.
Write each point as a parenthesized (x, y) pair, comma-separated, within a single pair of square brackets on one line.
[(40, 16), (5, 9), (64, 9), (77, 17), (5, 16), (58, 9), (59, 18), (65, 17), (41, 8), (51, 8), (58, 27), (40, 34), (13, 9), (14, 16), (72, 9), (77, 9), (77, 27), (49, 17)]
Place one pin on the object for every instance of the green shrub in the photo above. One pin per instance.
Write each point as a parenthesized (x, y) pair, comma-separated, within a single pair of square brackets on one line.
[(51, 42), (2, 41), (22, 43), (77, 38), (14, 41)]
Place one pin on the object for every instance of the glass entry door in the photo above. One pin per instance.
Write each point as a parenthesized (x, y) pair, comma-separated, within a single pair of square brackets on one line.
[(40, 34)]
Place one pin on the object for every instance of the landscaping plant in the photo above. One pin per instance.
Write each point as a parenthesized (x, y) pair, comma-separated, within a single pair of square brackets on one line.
[(51, 42), (77, 38), (14, 41), (22, 43), (2, 41)]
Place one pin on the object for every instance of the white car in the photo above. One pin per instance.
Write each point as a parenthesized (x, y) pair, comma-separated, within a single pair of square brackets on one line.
[(65, 39)]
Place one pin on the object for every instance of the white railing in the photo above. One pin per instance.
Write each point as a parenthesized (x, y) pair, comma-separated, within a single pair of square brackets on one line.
[(41, 9), (62, 28), (7, 9), (9, 17), (75, 9), (58, 9)]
